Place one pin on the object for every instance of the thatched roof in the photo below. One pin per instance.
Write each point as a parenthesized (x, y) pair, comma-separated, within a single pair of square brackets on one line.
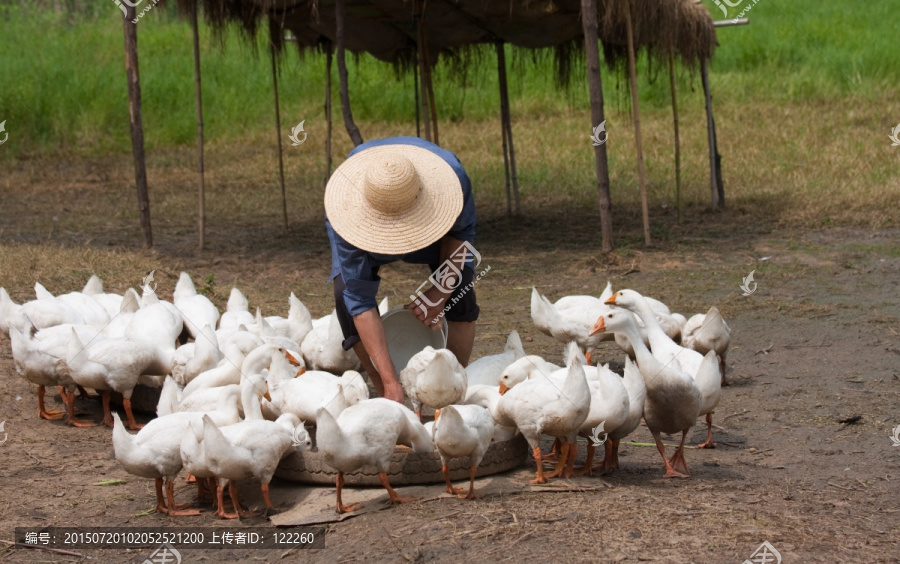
[(387, 28)]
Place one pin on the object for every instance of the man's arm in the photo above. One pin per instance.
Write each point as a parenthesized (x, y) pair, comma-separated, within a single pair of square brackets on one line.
[(371, 333), (435, 295)]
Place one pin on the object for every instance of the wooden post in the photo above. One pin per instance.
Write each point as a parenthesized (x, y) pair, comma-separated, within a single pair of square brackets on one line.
[(423, 79), (278, 133), (201, 188), (352, 130), (714, 188), (132, 72), (595, 87), (329, 54), (509, 159), (501, 68), (416, 94), (677, 141), (632, 71), (430, 85)]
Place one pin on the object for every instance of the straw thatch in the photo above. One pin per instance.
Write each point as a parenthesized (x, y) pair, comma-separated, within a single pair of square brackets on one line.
[(387, 28)]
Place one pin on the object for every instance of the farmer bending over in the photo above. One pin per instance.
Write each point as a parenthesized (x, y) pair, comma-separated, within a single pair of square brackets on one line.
[(401, 198)]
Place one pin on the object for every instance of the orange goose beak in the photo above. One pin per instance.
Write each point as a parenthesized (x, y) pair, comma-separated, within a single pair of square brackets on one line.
[(598, 327)]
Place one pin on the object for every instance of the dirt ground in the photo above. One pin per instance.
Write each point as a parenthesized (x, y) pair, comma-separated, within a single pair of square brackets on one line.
[(818, 342)]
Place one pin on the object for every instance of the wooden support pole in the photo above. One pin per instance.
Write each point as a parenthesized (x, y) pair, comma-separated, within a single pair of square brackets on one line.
[(329, 55), (595, 87), (278, 133), (352, 130), (642, 173), (509, 153), (430, 85), (677, 140), (416, 95), (133, 75), (714, 175), (501, 76), (201, 188), (423, 63)]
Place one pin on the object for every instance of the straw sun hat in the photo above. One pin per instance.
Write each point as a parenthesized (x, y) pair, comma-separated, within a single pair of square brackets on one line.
[(393, 199)]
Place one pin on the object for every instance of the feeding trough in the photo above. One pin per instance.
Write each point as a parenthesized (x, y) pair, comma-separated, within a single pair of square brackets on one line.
[(407, 467)]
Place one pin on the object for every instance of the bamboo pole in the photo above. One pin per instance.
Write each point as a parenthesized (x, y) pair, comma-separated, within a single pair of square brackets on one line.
[(506, 124), (595, 87), (677, 140), (201, 188), (642, 174), (711, 135), (132, 72), (278, 133), (352, 130), (329, 55)]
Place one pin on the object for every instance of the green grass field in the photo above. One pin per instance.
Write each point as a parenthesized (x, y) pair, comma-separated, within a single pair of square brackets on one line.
[(805, 97)]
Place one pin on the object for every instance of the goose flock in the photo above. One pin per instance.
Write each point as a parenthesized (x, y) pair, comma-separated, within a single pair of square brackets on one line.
[(238, 389)]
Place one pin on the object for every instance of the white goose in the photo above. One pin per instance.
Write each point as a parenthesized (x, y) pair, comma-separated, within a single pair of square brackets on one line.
[(460, 431), (88, 308), (230, 373), (523, 369), (365, 435), (488, 397), (237, 311), (243, 450), (673, 400), (487, 369), (706, 377), (316, 389), (156, 324), (297, 324), (538, 406), (36, 361), (119, 323), (196, 309), (322, 348), (708, 332), (111, 303), (192, 359), (110, 365), (433, 378), (155, 451), (568, 324), (9, 311), (637, 394)]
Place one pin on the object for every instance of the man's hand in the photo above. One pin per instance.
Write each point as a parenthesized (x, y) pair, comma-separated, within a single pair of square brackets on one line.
[(393, 391), (431, 315)]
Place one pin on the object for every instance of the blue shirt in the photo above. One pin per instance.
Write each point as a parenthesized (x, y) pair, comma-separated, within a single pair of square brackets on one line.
[(359, 268)]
